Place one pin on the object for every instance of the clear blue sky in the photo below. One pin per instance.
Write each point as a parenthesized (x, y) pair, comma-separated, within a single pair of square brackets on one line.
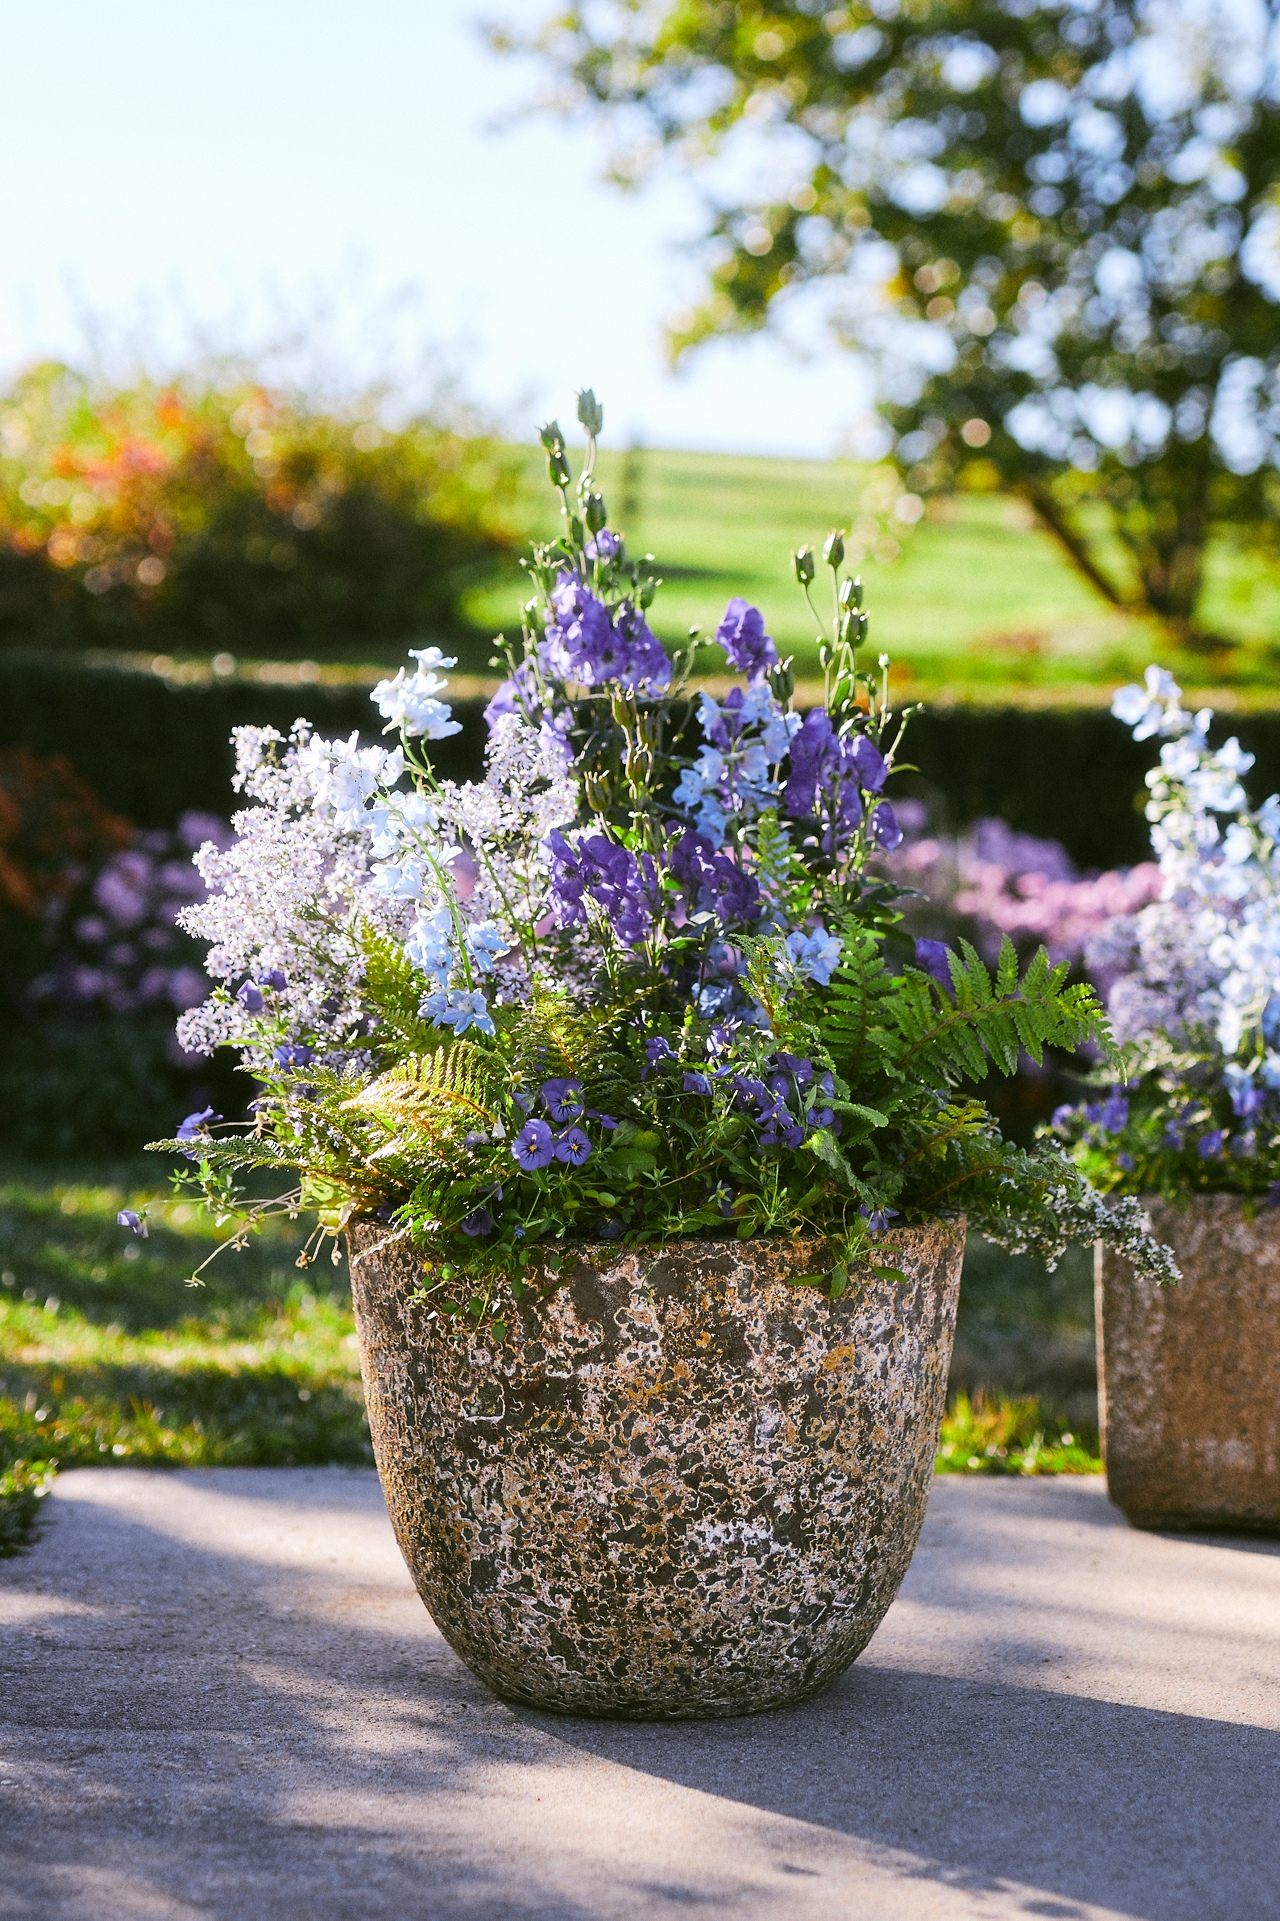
[(194, 165)]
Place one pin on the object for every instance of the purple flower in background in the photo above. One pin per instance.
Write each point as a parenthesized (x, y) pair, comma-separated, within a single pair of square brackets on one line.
[(1111, 1115), (273, 978), (656, 1049), (562, 1099), (479, 1221), (250, 998), (572, 1147), (1210, 1145), (696, 1084), (931, 956), (534, 1146), (604, 546), (749, 649)]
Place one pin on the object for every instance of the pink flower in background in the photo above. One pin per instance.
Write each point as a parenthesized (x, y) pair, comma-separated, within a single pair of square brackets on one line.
[(1000, 882)]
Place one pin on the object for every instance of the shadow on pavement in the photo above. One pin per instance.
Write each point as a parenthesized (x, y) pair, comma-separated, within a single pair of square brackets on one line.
[(198, 1735)]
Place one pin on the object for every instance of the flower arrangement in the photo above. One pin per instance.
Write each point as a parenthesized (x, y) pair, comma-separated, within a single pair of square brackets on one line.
[(640, 982), (1194, 993)]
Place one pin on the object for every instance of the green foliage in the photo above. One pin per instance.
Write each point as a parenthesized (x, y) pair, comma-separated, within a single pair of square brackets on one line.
[(992, 1434), (199, 515), (1008, 251)]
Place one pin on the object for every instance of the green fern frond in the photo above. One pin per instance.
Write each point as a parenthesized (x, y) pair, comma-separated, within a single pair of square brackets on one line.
[(394, 987)]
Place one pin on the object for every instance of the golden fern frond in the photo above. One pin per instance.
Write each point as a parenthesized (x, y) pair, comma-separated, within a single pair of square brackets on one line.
[(430, 1093)]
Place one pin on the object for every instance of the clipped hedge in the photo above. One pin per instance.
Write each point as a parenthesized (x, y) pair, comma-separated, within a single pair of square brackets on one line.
[(151, 749)]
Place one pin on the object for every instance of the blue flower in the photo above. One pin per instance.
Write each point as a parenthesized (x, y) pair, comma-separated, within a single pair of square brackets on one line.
[(931, 958), (573, 1147), (878, 1219), (1127, 1162), (696, 1084), (883, 826), (814, 953), (479, 1221), (534, 1146), (196, 1124), (1210, 1145), (656, 1049), (455, 1007), (273, 978), (562, 1099), (292, 1054), (135, 1222), (250, 998)]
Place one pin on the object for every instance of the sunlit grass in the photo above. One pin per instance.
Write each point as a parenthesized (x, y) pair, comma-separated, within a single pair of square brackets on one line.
[(979, 598), (993, 1434)]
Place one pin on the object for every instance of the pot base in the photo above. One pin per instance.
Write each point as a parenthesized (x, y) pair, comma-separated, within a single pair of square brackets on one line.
[(681, 1487)]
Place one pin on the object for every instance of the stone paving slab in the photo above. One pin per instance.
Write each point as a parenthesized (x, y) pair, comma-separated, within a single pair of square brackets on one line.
[(221, 1700)]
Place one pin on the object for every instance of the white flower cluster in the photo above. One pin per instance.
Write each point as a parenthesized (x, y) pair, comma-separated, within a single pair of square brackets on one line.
[(456, 873), (278, 910), (1209, 951)]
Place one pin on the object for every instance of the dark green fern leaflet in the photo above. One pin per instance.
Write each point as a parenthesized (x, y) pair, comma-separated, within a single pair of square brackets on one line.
[(940, 1043)]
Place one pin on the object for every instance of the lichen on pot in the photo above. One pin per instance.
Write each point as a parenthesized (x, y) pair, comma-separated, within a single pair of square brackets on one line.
[(1189, 1377), (681, 1485)]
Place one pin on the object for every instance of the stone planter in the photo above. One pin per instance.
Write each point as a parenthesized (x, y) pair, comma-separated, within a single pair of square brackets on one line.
[(680, 1487), (1189, 1377)]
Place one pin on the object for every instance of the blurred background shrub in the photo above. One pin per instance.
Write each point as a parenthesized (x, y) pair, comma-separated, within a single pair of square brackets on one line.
[(93, 968), (211, 514)]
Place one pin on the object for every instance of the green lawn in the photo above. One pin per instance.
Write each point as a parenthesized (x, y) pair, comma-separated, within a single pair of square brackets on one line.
[(977, 599), (107, 1356)]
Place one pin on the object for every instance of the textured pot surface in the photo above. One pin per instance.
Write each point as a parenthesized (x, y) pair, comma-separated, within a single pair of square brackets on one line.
[(680, 1486), (1189, 1376)]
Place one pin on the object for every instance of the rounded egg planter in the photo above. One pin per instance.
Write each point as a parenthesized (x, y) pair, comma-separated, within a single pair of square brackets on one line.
[(682, 1485)]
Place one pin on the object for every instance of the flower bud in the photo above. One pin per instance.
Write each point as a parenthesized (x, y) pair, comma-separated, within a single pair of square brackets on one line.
[(851, 592), (833, 550), (590, 412), (596, 512), (802, 561)]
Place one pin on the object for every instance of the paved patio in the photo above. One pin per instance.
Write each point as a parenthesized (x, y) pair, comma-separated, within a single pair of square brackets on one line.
[(221, 1700)]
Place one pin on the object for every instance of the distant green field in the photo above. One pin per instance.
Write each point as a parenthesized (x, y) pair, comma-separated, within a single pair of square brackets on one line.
[(976, 597)]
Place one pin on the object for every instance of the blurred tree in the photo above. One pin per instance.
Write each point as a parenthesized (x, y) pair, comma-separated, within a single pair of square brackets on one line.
[(203, 517), (1055, 227)]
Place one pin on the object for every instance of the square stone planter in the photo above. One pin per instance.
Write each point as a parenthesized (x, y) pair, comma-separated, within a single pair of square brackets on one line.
[(1189, 1376)]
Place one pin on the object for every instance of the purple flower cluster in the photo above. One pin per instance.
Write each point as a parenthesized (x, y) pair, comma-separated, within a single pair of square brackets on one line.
[(741, 633), (585, 643), (537, 1144), (832, 777), (714, 882), (122, 952), (789, 1104), (599, 869)]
